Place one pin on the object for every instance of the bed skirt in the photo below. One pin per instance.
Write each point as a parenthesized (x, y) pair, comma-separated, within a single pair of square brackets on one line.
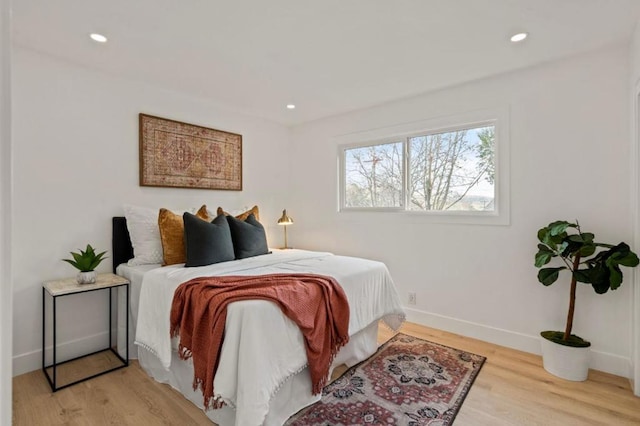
[(293, 395)]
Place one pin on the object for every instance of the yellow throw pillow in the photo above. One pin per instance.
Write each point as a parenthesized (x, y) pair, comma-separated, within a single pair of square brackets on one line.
[(172, 235), (244, 215)]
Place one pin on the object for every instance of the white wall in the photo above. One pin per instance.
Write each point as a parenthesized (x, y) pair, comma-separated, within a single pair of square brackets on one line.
[(569, 159), (76, 163), (5, 214), (569, 144), (635, 198), (635, 54)]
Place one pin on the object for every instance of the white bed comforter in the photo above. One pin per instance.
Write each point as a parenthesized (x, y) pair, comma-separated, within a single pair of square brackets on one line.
[(262, 347)]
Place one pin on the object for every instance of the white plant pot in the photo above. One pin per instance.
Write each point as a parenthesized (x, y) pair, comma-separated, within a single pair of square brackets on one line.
[(86, 277), (566, 362)]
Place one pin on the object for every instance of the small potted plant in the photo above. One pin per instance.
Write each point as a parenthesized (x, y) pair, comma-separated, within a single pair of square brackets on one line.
[(564, 354), (86, 262)]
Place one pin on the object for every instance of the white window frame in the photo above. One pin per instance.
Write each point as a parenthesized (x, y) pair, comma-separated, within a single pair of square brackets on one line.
[(497, 117)]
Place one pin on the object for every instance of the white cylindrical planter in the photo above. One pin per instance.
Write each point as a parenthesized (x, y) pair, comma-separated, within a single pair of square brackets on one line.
[(566, 362)]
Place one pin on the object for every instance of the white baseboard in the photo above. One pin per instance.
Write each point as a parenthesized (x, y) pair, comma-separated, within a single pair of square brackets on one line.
[(31, 361), (602, 361)]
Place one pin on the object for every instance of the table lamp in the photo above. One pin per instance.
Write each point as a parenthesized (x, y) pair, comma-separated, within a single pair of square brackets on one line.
[(285, 221)]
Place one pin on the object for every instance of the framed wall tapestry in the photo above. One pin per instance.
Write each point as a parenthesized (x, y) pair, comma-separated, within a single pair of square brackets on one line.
[(181, 155)]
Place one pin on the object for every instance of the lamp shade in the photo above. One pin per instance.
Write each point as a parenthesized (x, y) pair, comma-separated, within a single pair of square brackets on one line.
[(285, 219)]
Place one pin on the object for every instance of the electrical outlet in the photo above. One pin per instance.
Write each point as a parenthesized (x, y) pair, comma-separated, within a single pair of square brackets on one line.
[(412, 298)]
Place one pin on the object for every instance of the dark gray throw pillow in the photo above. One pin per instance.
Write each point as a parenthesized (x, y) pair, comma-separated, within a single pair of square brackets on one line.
[(249, 238), (207, 243)]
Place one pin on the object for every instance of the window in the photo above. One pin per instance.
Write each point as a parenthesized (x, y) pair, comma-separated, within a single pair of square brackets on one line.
[(374, 175), (452, 170)]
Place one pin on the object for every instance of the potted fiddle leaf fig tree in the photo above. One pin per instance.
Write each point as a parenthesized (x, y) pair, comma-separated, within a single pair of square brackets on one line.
[(86, 262), (598, 264)]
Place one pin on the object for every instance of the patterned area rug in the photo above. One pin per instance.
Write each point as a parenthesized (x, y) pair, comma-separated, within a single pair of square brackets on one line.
[(408, 381)]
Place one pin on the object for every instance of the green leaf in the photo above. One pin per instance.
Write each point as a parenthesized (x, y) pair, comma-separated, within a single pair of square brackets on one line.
[(584, 238), (582, 275), (631, 260), (587, 250), (71, 262), (542, 235), (85, 264), (587, 237), (576, 238), (542, 258), (99, 255), (545, 248), (599, 278), (559, 227), (615, 277), (544, 255), (548, 276), (600, 287)]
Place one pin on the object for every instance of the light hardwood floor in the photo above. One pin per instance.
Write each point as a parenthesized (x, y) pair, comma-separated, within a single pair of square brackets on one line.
[(511, 389)]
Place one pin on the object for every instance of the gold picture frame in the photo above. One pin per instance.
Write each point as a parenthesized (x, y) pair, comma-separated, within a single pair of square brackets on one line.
[(181, 155)]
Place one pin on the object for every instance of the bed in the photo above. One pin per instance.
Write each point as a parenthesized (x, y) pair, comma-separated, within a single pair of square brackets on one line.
[(262, 376)]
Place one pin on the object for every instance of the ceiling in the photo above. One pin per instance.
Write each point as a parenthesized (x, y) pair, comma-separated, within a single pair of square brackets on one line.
[(326, 56)]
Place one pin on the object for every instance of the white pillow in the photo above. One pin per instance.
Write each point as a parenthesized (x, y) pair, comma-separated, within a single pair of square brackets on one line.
[(142, 223)]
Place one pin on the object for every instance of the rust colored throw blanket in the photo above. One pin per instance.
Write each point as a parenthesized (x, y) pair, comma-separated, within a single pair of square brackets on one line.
[(316, 303)]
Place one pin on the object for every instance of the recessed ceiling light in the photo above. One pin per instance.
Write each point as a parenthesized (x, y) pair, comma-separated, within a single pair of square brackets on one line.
[(519, 37), (291, 106), (98, 37)]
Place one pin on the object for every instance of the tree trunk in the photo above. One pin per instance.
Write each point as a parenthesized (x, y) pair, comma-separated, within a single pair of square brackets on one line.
[(572, 299)]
